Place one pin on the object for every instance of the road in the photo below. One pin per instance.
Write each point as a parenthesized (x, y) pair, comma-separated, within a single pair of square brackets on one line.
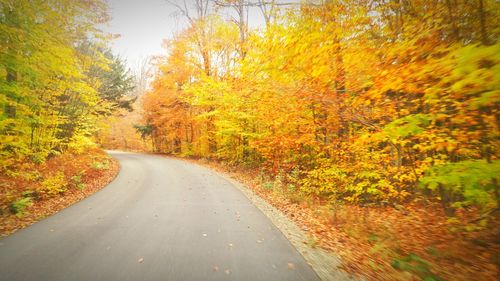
[(160, 219)]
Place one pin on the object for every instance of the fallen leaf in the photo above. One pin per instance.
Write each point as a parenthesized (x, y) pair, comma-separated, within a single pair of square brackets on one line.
[(205, 235), (216, 268), (291, 265), (227, 271), (140, 260)]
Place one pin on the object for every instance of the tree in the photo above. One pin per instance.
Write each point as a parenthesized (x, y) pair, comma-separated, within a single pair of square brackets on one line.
[(50, 101), (382, 98)]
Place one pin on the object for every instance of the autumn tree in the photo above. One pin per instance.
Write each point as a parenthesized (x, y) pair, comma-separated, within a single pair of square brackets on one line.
[(369, 102), (55, 79)]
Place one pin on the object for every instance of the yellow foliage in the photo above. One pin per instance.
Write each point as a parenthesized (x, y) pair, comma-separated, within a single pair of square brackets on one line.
[(54, 184)]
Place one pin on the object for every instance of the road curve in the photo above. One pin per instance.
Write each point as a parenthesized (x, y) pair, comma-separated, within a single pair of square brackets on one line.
[(160, 219)]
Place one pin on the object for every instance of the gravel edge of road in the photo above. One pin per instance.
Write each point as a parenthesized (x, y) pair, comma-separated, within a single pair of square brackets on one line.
[(325, 264)]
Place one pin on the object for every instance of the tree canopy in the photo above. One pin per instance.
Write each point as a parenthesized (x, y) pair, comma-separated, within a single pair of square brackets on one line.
[(57, 77)]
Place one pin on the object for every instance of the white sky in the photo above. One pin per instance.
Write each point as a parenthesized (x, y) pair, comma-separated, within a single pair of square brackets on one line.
[(144, 24)]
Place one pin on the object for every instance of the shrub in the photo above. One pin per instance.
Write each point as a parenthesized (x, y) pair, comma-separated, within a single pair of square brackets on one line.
[(77, 182), (54, 184), (268, 185), (33, 194), (18, 207), (416, 265), (324, 181), (471, 182), (104, 165)]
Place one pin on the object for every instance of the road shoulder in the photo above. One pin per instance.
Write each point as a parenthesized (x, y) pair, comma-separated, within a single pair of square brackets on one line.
[(326, 264)]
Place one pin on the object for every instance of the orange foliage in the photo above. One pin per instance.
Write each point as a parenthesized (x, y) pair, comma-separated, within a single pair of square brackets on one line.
[(23, 196), (361, 104)]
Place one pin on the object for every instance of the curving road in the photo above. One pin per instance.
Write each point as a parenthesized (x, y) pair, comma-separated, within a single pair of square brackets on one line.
[(160, 219)]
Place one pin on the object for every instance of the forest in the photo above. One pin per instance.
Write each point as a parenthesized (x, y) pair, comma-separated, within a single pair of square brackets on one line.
[(58, 80), (358, 107), (373, 124)]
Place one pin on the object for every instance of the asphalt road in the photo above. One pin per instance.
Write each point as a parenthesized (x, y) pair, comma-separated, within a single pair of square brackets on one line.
[(160, 219)]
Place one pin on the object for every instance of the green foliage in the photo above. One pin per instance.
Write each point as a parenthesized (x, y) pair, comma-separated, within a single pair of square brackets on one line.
[(476, 181), (77, 182), (416, 265), (116, 82), (144, 130), (31, 194), (407, 126), (101, 165), (19, 207), (268, 185)]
